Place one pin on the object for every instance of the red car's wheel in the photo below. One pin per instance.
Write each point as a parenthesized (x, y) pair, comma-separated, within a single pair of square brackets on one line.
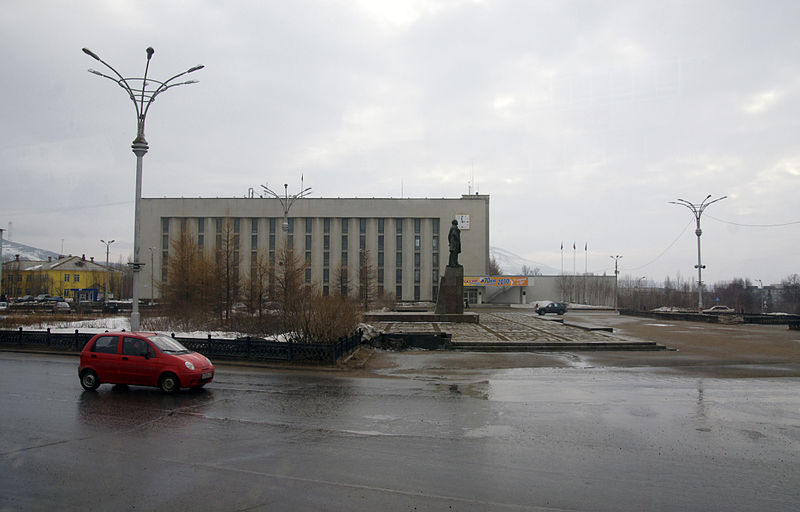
[(169, 383), (89, 380)]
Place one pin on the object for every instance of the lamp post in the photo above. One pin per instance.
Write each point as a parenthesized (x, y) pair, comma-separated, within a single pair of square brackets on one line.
[(1, 261), (152, 270), (286, 202), (108, 244), (616, 277), (142, 91), (697, 210)]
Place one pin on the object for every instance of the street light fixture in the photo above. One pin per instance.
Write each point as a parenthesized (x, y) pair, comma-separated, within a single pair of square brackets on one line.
[(697, 210), (108, 244), (287, 201), (142, 91)]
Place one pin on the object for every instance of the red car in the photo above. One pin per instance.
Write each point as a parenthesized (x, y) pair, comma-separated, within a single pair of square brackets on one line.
[(142, 359)]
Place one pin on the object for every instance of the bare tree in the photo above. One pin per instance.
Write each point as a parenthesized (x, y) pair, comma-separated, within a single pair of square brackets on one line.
[(367, 282), (494, 267), (227, 268)]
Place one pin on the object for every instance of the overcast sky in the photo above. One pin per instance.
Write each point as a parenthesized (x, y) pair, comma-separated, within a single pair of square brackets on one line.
[(581, 120)]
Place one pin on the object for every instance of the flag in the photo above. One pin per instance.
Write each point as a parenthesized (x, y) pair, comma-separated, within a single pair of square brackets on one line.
[(586, 246), (573, 246), (562, 246)]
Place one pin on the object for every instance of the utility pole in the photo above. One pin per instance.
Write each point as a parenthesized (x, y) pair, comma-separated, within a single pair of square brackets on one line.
[(697, 210)]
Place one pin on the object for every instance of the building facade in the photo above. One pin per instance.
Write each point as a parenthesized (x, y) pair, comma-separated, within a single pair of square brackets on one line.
[(403, 240), (72, 277)]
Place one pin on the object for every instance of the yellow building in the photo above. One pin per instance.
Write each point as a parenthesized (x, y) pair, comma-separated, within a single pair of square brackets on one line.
[(69, 277)]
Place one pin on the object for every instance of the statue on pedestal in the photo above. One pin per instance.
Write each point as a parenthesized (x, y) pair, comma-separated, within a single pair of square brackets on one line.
[(454, 241)]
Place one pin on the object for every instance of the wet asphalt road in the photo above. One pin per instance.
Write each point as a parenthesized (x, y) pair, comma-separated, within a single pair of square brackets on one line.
[(512, 439)]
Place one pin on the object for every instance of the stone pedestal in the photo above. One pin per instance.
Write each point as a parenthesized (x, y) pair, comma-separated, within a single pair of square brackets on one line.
[(451, 292)]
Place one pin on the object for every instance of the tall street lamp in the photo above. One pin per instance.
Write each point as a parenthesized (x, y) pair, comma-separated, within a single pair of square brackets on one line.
[(697, 210), (108, 244), (1, 261), (152, 271), (142, 91), (286, 202), (616, 277)]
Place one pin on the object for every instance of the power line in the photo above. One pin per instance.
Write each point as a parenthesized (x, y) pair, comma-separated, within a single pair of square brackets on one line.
[(32, 211), (665, 250), (755, 225)]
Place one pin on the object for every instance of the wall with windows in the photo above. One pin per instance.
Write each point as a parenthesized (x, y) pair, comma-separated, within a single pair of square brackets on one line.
[(403, 241)]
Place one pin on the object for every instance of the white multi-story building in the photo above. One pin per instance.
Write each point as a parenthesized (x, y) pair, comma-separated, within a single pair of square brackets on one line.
[(405, 240)]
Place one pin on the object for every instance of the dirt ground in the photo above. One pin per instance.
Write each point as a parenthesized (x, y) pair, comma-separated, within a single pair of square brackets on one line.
[(711, 350)]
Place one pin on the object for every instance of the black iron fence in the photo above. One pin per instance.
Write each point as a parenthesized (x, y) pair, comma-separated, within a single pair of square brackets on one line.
[(247, 348)]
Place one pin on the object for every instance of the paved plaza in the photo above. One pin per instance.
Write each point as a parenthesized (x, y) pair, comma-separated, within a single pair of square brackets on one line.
[(512, 326)]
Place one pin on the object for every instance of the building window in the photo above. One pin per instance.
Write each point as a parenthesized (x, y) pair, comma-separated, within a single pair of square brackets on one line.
[(76, 278), (362, 225), (308, 242), (380, 259), (398, 259), (380, 225), (66, 278), (345, 221), (398, 292), (398, 276), (398, 225), (308, 225), (417, 225)]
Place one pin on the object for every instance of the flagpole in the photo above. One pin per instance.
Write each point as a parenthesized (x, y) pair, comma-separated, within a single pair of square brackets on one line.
[(586, 258), (574, 272)]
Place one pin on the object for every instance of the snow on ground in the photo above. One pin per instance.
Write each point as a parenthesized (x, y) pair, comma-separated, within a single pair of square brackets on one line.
[(118, 323)]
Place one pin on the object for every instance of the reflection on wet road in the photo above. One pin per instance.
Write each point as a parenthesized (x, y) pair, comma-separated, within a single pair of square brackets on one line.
[(518, 439)]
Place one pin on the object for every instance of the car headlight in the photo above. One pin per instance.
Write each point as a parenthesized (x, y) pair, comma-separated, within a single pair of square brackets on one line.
[(189, 365)]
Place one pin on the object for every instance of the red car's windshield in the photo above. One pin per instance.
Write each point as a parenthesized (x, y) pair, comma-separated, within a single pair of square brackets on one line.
[(168, 345)]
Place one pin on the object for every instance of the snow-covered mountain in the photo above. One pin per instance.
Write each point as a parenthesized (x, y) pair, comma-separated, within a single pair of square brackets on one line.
[(511, 264), (26, 252)]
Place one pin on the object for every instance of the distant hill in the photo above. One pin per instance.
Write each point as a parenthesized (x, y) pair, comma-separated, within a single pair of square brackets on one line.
[(511, 264), (26, 252)]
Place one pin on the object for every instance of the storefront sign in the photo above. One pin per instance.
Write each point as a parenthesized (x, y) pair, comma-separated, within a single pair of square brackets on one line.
[(496, 281)]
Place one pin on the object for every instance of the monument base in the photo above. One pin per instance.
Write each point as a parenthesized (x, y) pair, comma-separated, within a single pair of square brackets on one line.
[(451, 292)]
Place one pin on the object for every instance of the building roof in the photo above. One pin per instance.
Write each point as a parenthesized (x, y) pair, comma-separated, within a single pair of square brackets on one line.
[(68, 264)]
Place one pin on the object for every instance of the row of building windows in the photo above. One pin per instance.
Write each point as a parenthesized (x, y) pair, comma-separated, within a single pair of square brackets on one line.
[(228, 227)]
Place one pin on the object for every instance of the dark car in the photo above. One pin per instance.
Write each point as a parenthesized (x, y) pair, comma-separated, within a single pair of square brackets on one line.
[(142, 359), (558, 308)]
